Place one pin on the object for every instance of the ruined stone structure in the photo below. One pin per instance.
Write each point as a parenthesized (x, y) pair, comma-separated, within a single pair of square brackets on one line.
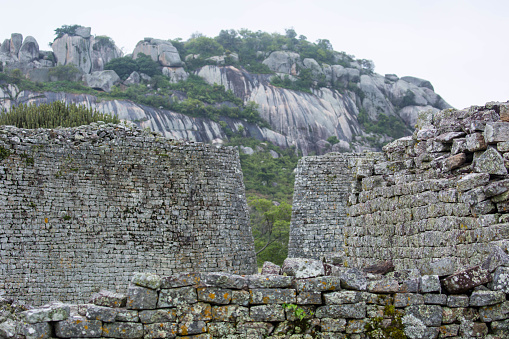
[(322, 187), (442, 193), (83, 208), (334, 302)]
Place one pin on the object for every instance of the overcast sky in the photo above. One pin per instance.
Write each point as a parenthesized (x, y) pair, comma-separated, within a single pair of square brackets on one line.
[(460, 46)]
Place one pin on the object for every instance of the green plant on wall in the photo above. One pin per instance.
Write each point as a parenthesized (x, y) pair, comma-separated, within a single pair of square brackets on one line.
[(391, 328), (301, 323)]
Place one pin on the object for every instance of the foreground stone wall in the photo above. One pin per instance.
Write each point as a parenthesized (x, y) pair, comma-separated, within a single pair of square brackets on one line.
[(96, 203), (304, 303), (322, 187), (442, 193)]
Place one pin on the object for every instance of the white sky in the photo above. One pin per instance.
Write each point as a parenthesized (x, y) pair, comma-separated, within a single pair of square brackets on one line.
[(462, 47)]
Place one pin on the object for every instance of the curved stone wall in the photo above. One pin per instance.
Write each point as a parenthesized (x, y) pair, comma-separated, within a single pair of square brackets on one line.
[(96, 203)]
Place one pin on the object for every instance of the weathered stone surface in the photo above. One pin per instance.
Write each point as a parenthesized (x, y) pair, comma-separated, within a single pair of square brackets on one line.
[(221, 330), (380, 268), (139, 298), (180, 280), (458, 301), (122, 330), (240, 298), (333, 325), (309, 298), (224, 280), (485, 298), (231, 313), (104, 314), (353, 279), (160, 330), (407, 299), (501, 279), (435, 299), (430, 315), (318, 284), (176, 296), (303, 268), (383, 286), (29, 50), (108, 299), (158, 316), (148, 280), (430, 283), (454, 162), (127, 316), (193, 327), (472, 180), (79, 327), (195, 312), (475, 142), (494, 312), (214, 295), (103, 80), (8, 328), (270, 268), (52, 312), (466, 280), (33, 331), (490, 162), (272, 296), (500, 327), (73, 50), (496, 132), (268, 281), (496, 259), (354, 311), (267, 313), (342, 297)]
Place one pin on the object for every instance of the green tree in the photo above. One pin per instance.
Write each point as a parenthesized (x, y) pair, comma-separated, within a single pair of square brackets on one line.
[(332, 140), (122, 66), (147, 65), (64, 72), (271, 226), (204, 46), (66, 29)]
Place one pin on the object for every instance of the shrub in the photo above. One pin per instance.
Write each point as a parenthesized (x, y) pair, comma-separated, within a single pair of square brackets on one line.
[(52, 115), (64, 73), (66, 29)]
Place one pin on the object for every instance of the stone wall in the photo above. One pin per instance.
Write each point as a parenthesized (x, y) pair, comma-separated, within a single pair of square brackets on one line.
[(441, 193), (304, 303), (322, 187), (83, 208)]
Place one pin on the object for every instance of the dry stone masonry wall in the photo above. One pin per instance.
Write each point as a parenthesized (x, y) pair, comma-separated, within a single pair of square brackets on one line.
[(311, 300), (82, 209), (322, 187), (437, 200)]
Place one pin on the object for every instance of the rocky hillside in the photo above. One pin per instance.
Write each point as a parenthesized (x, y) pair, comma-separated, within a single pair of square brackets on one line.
[(309, 96)]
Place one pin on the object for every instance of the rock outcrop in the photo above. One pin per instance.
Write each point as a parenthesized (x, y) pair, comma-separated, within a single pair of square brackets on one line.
[(159, 50), (102, 80), (23, 54)]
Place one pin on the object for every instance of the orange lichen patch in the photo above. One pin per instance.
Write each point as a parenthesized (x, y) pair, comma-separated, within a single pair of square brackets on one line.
[(212, 296), (78, 321), (183, 329), (266, 300), (161, 325), (105, 330), (226, 296), (85, 327), (46, 220), (123, 330)]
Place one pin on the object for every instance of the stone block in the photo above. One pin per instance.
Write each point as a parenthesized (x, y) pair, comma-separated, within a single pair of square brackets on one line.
[(333, 325), (496, 188), (223, 280), (425, 134), (496, 259), (447, 331), (475, 142), (127, 316), (148, 280), (240, 297), (254, 329), (453, 162), (472, 180), (177, 296), (195, 312), (108, 299), (214, 295), (270, 268), (268, 281), (231, 313), (430, 315), (500, 280), (79, 327), (496, 132), (458, 146), (221, 329), (486, 298), (140, 298), (193, 327), (383, 286), (320, 284), (32, 331), (444, 266), (160, 330), (430, 283), (458, 301), (500, 327), (435, 299), (503, 146), (303, 268), (123, 330), (158, 316), (180, 280), (494, 312), (407, 299), (272, 296), (490, 161), (309, 298), (52, 312), (272, 312), (356, 326), (342, 297), (104, 314), (467, 279), (352, 311)]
